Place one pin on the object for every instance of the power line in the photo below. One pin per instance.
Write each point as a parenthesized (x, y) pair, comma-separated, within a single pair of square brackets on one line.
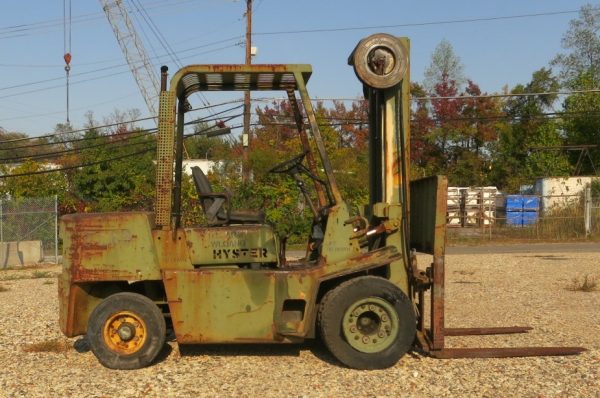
[(119, 140), (67, 141), (108, 101), (157, 56), (595, 90), (163, 41), (110, 67), (343, 121), (97, 162), (271, 99), (78, 130), (171, 53), (90, 79), (56, 154), (110, 125), (23, 29), (77, 165), (185, 136), (427, 98), (405, 25)]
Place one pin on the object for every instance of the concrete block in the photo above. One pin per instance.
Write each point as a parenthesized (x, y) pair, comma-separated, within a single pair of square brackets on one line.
[(21, 253)]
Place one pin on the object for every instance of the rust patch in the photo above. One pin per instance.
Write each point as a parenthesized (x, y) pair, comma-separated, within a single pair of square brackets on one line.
[(84, 274)]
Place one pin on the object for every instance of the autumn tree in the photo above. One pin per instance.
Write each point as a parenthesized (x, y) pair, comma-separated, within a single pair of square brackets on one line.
[(517, 160), (422, 150), (33, 182), (582, 121), (444, 65), (582, 43), (580, 71), (118, 172)]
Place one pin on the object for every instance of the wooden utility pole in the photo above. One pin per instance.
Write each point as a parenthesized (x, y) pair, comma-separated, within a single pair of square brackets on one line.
[(246, 135)]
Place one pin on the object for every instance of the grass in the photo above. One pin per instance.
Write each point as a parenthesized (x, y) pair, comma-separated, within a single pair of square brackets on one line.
[(462, 272), (12, 277), (48, 282), (586, 283), (42, 274), (54, 345), (22, 267), (33, 275)]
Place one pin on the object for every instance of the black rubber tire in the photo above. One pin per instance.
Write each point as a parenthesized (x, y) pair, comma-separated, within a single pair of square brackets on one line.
[(360, 61), (143, 308), (337, 301)]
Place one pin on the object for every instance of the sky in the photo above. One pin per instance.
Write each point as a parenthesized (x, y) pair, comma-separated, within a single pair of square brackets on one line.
[(502, 50)]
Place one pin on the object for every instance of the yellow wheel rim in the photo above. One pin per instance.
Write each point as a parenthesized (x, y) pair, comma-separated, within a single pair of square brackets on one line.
[(125, 332)]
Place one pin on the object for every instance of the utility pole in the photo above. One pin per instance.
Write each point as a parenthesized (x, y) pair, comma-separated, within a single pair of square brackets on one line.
[(246, 135)]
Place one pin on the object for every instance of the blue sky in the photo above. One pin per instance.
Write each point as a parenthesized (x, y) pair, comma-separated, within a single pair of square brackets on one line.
[(495, 53)]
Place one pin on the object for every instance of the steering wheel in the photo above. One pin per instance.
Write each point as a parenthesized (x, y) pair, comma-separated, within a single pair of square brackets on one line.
[(288, 165)]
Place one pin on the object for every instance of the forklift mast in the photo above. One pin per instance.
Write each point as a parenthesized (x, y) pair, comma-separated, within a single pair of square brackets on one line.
[(381, 63), (385, 73)]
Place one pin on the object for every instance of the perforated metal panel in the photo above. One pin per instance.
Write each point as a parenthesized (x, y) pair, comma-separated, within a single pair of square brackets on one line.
[(164, 158)]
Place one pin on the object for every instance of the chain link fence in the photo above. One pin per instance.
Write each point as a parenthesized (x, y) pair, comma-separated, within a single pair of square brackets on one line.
[(490, 215), (594, 216), (29, 220)]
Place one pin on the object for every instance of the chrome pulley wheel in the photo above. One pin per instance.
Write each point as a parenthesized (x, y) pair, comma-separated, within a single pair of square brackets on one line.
[(380, 60)]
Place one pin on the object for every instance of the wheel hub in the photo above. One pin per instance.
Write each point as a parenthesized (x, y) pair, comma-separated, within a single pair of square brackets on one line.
[(370, 325), (124, 332)]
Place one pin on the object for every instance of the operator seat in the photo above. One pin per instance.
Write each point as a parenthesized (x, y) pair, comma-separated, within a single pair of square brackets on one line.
[(213, 204)]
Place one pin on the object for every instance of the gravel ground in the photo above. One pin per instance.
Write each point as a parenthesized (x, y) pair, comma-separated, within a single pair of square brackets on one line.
[(481, 290)]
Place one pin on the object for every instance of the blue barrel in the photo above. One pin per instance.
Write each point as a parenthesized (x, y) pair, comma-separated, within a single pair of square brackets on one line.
[(529, 217), (514, 202), (531, 203), (514, 218)]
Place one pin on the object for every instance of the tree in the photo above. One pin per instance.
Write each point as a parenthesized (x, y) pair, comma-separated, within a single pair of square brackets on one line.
[(582, 121), (32, 185), (583, 44), (516, 161), (14, 146), (123, 179), (445, 64), (200, 146), (422, 150), (344, 132)]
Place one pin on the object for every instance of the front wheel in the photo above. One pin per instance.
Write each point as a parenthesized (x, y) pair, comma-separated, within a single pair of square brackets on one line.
[(126, 331), (367, 323)]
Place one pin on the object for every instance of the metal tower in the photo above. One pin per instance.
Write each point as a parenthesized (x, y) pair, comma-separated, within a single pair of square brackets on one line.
[(134, 52)]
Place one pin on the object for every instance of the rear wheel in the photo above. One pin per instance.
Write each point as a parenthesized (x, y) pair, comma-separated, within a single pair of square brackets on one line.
[(126, 331), (367, 323)]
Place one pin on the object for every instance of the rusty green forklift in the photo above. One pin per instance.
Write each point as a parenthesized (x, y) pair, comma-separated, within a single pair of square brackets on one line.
[(127, 277)]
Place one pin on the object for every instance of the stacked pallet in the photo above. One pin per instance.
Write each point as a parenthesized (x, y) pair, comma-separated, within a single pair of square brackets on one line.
[(471, 206)]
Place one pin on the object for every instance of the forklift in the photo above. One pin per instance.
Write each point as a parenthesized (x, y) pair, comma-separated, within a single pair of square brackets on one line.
[(129, 276)]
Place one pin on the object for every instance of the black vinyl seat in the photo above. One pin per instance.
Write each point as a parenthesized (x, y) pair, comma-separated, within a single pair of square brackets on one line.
[(216, 205)]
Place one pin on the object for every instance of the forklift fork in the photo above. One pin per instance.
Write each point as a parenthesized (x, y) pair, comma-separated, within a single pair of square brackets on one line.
[(432, 340), (428, 234)]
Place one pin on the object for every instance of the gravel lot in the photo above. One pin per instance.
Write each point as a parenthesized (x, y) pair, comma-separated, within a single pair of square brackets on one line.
[(482, 290)]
